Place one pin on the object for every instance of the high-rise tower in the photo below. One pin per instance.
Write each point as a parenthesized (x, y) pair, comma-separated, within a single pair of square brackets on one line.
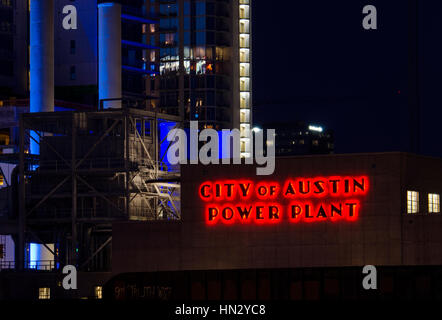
[(202, 62)]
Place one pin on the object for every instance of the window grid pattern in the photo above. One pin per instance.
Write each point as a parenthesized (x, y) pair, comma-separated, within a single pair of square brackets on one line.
[(98, 292), (433, 203), (412, 202), (44, 293)]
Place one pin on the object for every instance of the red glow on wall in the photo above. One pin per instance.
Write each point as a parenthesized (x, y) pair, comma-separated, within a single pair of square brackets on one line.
[(267, 190), (307, 200)]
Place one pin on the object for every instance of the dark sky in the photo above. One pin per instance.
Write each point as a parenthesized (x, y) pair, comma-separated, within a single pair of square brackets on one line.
[(314, 62)]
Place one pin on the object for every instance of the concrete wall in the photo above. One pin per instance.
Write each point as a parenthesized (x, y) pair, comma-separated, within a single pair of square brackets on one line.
[(421, 234), (383, 235)]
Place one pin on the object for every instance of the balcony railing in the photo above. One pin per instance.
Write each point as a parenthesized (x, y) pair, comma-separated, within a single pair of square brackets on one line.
[(41, 265), (7, 265)]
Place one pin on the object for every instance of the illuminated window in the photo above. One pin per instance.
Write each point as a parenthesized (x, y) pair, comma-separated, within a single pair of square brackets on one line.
[(412, 202), (243, 146), (433, 203), (2, 180), (244, 41), (245, 100), (4, 137), (243, 117), (242, 13), (98, 292), (44, 293), (245, 69), (244, 55), (245, 84), (244, 26)]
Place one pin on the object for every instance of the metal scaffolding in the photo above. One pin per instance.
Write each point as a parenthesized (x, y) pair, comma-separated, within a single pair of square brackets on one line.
[(94, 168)]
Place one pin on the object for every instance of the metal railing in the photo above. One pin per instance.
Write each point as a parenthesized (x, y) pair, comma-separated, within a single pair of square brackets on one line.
[(7, 265), (88, 164), (104, 163), (58, 103), (43, 265), (160, 165), (40, 265)]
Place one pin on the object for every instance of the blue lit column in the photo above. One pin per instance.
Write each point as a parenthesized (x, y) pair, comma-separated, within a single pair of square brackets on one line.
[(109, 53), (41, 60)]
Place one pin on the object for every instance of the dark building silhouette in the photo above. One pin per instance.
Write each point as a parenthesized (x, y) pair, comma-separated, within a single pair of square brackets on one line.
[(14, 81), (300, 138)]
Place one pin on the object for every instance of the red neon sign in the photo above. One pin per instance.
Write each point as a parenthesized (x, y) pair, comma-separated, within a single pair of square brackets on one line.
[(308, 200)]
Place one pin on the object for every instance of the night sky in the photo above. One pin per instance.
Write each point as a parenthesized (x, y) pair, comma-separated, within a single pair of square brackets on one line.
[(314, 62)]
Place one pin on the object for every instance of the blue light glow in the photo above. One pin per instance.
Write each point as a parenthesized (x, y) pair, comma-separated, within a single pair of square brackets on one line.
[(34, 255), (164, 127), (137, 44), (106, 4), (133, 69), (138, 19)]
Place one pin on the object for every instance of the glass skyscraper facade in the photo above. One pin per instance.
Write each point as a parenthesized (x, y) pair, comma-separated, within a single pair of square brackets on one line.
[(202, 62)]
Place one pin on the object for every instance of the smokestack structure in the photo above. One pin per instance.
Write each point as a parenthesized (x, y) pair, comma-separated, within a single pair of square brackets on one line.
[(41, 60), (109, 54)]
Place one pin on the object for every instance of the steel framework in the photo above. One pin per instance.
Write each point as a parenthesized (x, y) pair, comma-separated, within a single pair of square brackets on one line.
[(94, 168)]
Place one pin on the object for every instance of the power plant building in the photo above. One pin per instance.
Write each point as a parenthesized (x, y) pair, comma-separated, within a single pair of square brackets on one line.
[(86, 182)]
